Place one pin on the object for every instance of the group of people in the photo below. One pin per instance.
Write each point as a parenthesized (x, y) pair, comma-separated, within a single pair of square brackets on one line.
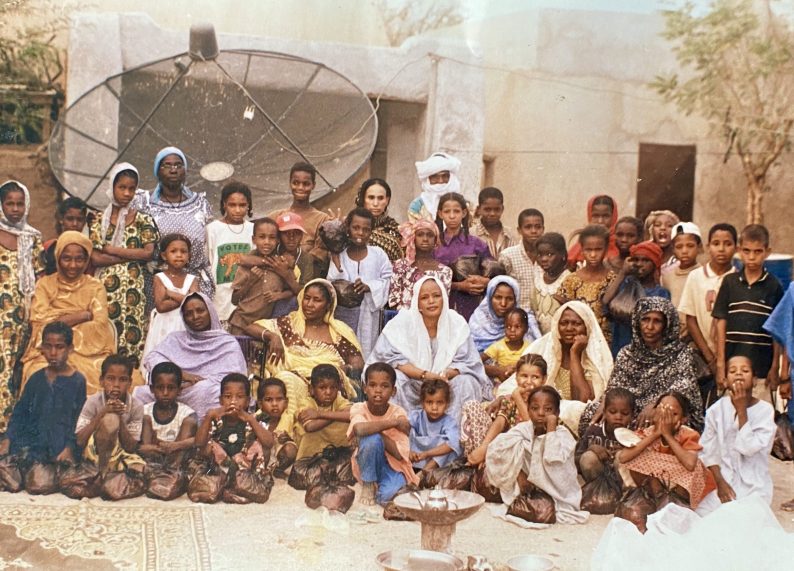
[(165, 333)]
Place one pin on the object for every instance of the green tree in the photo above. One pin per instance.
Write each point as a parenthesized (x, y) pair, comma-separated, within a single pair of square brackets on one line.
[(737, 72)]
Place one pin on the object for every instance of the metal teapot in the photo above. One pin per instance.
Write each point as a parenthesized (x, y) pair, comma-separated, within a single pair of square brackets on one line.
[(436, 501)]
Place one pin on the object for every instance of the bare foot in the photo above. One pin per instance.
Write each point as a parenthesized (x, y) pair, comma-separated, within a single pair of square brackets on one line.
[(368, 493), (787, 506)]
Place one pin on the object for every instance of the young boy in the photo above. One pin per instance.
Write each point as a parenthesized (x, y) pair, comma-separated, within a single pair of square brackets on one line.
[(488, 227), (228, 431), (435, 436), (109, 426), (697, 299), (744, 302), (628, 232), (644, 265), (382, 458), (271, 396), (305, 266), (520, 261), (301, 182), (325, 420), (596, 449), (687, 244), (70, 215), (43, 420), (169, 426)]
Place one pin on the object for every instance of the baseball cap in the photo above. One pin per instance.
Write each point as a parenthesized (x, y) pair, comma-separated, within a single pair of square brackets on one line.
[(289, 221), (686, 228)]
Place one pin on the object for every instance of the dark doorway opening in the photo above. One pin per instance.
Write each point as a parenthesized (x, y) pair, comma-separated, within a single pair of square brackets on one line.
[(666, 179)]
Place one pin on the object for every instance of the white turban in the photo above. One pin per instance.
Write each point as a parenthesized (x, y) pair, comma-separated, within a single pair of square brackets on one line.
[(436, 163)]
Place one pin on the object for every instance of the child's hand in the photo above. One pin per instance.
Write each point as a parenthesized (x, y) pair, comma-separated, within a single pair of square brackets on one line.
[(739, 396), (217, 413), (724, 492), (602, 453), (168, 447), (551, 423), (403, 425), (360, 287), (666, 424), (579, 345), (415, 457), (65, 456), (114, 406), (308, 414), (281, 437), (477, 456)]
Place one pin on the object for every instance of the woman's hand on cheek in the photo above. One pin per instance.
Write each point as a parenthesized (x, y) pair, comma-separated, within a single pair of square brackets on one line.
[(579, 344)]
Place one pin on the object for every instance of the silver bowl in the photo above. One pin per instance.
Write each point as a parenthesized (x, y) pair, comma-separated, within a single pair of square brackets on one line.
[(419, 560), (530, 563)]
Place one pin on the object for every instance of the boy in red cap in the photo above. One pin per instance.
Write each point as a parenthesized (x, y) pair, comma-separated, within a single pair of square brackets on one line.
[(642, 266)]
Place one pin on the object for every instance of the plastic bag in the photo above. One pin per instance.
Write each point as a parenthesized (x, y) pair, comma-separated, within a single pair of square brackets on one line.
[(783, 444), (79, 480), (207, 487), (454, 476), (537, 507), (481, 485), (635, 505), (11, 479), (491, 268), (340, 459), (346, 296), (307, 471), (123, 485), (330, 494), (601, 496), (333, 233), (41, 479), (622, 305), (464, 267), (251, 485), (165, 482)]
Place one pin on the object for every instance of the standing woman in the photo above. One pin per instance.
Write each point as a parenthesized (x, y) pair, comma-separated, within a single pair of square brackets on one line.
[(178, 210), (375, 196), (123, 241), (20, 261)]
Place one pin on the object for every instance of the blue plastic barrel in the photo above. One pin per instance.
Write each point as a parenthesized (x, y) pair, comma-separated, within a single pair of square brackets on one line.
[(779, 265)]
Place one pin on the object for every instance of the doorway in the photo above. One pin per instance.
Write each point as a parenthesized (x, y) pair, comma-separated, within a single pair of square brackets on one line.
[(666, 179)]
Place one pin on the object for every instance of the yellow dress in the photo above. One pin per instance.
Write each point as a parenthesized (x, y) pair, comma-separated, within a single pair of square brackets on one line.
[(14, 328), (574, 289)]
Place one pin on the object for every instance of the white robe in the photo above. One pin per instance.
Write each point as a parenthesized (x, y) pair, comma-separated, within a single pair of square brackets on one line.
[(742, 454), (548, 462), (374, 270)]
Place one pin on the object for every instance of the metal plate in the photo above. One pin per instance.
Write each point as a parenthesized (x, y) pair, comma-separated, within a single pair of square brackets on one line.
[(216, 171), (627, 437), (419, 560)]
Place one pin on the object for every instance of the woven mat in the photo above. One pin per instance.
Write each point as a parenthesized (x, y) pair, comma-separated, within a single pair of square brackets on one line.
[(109, 536)]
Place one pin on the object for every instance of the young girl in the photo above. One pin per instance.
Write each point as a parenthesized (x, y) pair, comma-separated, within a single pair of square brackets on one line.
[(597, 447), (271, 397), (628, 232), (501, 358), (669, 450), (737, 440), (435, 436), (659, 228), (479, 427), (643, 266), (603, 211), (20, 261), (538, 453), (171, 286), (369, 269), (552, 260), (419, 240), (453, 223), (589, 282), (229, 239), (256, 289), (227, 432), (487, 323), (124, 241)]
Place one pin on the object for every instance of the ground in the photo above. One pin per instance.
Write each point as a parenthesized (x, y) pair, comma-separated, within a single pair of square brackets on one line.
[(268, 537)]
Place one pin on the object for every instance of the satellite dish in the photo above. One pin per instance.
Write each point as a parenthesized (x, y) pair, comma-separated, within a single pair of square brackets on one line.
[(244, 114)]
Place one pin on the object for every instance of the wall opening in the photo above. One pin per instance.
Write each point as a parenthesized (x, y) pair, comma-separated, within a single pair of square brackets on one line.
[(666, 179)]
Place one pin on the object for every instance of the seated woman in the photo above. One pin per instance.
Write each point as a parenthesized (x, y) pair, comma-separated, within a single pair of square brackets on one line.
[(578, 358), (487, 323), (656, 362), (306, 338), (204, 352), (78, 300), (431, 341), (419, 240)]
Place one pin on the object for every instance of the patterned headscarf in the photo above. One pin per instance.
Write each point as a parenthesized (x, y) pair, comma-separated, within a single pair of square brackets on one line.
[(26, 237), (121, 224), (408, 231)]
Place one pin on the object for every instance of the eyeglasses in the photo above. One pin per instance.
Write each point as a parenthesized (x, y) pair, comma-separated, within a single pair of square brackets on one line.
[(172, 166)]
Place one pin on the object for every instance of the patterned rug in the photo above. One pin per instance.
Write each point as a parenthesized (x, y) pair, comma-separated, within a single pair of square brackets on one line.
[(123, 536)]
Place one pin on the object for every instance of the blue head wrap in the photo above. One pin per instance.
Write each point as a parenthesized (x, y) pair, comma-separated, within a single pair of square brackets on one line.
[(158, 159)]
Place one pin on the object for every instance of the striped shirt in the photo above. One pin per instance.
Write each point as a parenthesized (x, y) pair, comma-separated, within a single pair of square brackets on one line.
[(519, 266), (745, 307)]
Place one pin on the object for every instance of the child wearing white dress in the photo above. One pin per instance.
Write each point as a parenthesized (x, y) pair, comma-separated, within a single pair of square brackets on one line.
[(170, 288), (737, 440)]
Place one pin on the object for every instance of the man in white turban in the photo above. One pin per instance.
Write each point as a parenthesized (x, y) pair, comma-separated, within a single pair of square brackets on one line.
[(438, 175)]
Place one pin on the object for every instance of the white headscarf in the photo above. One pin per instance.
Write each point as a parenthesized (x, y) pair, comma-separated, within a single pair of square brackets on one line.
[(121, 224), (436, 163), (408, 334), (26, 237)]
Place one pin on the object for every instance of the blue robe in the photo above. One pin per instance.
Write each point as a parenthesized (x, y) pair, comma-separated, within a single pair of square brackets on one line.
[(426, 435)]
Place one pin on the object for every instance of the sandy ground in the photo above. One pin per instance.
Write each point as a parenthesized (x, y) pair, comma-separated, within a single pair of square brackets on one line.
[(266, 536)]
